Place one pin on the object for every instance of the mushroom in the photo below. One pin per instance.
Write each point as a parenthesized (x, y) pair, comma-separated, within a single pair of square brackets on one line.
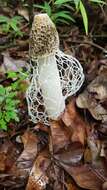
[(54, 75)]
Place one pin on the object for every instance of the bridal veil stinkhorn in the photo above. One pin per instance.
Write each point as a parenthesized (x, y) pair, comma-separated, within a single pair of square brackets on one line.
[(54, 75)]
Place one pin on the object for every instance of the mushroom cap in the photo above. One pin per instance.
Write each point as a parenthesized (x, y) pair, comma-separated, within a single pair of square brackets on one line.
[(44, 39)]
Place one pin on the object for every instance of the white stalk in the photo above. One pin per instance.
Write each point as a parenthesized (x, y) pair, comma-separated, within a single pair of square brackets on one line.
[(49, 81)]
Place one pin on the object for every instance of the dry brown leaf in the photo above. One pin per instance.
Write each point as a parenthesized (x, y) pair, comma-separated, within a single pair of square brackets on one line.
[(10, 64), (41, 127), (8, 155), (56, 176), (38, 178), (70, 183), (71, 186), (70, 155), (59, 136), (87, 155), (24, 12), (3, 134), (94, 98), (3, 159), (85, 176), (103, 128), (76, 125), (24, 163), (94, 144)]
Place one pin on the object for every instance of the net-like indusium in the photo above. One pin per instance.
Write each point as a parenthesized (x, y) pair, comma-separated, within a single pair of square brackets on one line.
[(71, 79), (54, 76)]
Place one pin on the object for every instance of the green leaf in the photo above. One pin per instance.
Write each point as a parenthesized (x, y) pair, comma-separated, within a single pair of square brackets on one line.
[(98, 1), (13, 25), (76, 2), (3, 19), (13, 115), (7, 117), (5, 27), (8, 89), (12, 95), (39, 6), (2, 90), (60, 2), (12, 74), (15, 85), (0, 115), (61, 20), (17, 18), (9, 108), (16, 101), (63, 14), (3, 124), (2, 98), (10, 23), (19, 33), (84, 16), (10, 102), (47, 8), (16, 118), (10, 115)]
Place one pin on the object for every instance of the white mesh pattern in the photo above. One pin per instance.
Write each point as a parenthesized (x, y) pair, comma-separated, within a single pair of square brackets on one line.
[(36, 108), (71, 77), (71, 73)]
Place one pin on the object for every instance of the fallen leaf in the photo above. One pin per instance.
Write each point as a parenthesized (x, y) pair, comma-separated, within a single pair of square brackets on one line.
[(75, 123), (24, 12), (70, 155), (56, 176), (23, 164), (41, 127), (71, 186), (94, 98), (87, 156), (38, 177), (102, 128), (85, 176), (3, 158), (3, 134), (59, 137), (8, 155), (10, 64), (93, 143)]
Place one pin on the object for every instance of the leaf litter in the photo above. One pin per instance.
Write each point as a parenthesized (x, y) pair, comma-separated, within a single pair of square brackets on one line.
[(71, 153)]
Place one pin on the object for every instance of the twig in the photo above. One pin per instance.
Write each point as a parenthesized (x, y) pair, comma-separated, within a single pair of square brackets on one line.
[(92, 44), (15, 44), (81, 36), (7, 46), (82, 43)]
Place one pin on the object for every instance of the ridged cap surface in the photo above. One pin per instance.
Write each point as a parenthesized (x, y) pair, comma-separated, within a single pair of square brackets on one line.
[(44, 38)]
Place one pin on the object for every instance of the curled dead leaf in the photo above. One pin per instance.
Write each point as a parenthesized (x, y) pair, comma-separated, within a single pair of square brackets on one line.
[(38, 178), (94, 97)]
